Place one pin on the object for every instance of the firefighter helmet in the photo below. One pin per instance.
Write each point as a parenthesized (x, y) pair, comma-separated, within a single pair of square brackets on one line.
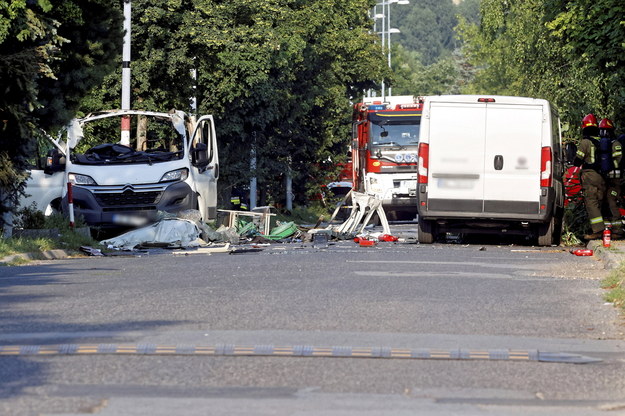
[(606, 128), (589, 121), (589, 126), (606, 123)]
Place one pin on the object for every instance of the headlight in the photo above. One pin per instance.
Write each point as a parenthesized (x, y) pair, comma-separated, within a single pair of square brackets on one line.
[(78, 179), (175, 175)]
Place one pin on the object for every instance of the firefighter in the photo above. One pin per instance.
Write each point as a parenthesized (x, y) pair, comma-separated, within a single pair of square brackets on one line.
[(593, 184), (613, 177), (238, 200)]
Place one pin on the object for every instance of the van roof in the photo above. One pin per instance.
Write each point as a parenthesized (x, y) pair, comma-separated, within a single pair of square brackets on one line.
[(474, 99)]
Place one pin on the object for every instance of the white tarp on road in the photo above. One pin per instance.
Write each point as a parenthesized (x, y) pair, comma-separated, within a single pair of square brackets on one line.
[(171, 231)]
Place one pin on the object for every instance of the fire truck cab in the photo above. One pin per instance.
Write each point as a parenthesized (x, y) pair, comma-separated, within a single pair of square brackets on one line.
[(385, 140)]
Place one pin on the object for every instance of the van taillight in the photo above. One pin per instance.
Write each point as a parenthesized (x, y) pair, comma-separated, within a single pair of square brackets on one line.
[(545, 167), (485, 100), (424, 158)]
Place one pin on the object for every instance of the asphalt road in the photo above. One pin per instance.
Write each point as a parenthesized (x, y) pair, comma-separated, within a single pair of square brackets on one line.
[(199, 334)]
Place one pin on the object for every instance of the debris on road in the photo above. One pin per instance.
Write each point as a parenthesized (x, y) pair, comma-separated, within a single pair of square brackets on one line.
[(247, 232), (169, 232), (321, 238), (366, 243), (582, 252), (243, 250), (364, 206), (91, 251), (205, 250)]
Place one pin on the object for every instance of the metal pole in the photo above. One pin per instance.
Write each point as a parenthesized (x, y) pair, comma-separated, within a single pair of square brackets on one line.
[(194, 98), (289, 187), (70, 204), (125, 130), (253, 180), (384, 29), (388, 26)]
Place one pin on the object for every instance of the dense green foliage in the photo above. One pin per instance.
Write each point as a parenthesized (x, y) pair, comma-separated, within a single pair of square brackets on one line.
[(427, 27), (570, 52), (427, 55), (51, 53)]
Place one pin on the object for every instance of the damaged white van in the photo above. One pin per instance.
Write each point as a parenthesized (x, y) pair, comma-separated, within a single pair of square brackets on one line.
[(490, 164), (170, 164)]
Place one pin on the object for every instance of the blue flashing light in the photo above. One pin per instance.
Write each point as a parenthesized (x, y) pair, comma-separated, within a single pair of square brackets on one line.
[(377, 107)]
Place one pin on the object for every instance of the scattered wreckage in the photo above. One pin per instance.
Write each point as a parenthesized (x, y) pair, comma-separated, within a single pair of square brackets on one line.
[(249, 231)]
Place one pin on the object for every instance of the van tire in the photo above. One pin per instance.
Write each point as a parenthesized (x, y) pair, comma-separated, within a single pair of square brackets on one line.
[(547, 233), (425, 231)]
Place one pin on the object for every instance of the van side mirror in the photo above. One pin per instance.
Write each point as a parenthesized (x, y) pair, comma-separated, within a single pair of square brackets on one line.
[(55, 162), (570, 150), (199, 155)]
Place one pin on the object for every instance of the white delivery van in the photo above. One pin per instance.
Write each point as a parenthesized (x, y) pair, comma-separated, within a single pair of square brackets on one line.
[(170, 164), (490, 164)]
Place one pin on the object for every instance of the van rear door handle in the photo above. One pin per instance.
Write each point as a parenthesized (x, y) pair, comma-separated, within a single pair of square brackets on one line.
[(498, 162)]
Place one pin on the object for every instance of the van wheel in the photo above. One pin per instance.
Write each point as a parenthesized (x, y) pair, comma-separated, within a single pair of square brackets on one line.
[(547, 233), (425, 231)]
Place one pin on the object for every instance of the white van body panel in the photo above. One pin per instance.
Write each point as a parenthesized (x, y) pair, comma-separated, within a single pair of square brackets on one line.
[(484, 160), (455, 170), (520, 150), (43, 190)]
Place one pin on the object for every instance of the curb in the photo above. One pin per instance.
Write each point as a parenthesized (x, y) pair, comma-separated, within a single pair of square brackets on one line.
[(43, 255), (611, 257)]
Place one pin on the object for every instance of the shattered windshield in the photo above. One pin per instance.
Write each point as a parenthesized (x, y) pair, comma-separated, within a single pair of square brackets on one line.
[(394, 134), (152, 140)]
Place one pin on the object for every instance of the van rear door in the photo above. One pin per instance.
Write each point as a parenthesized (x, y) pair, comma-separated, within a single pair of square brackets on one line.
[(512, 158), (457, 140)]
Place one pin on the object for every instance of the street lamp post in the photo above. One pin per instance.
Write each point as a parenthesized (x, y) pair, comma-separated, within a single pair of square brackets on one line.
[(125, 127), (390, 30), (387, 30)]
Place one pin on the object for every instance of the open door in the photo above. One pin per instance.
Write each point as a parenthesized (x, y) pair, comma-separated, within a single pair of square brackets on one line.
[(205, 166)]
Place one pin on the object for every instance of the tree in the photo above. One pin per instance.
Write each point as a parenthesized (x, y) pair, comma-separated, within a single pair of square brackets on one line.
[(569, 52), (427, 27), (52, 52), (469, 10), (593, 35), (448, 75)]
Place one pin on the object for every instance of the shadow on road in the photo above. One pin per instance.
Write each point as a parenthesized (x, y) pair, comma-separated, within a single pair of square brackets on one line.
[(18, 316)]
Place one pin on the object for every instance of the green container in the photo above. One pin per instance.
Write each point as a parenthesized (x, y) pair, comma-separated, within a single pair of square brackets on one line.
[(282, 231)]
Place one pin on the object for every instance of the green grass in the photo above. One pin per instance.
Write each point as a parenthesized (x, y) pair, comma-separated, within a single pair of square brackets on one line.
[(68, 238), (10, 246), (615, 285)]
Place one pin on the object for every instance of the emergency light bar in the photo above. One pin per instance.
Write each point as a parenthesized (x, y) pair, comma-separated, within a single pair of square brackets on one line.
[(377, 107)]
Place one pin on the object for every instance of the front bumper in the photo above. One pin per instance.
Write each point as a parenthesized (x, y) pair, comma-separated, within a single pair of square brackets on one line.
[(129, 205)]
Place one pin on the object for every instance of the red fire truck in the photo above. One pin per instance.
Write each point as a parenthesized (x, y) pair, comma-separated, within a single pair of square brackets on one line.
[(385, 139)]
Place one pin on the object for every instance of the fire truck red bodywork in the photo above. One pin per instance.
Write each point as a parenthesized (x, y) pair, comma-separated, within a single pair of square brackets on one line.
[(385, 139)]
